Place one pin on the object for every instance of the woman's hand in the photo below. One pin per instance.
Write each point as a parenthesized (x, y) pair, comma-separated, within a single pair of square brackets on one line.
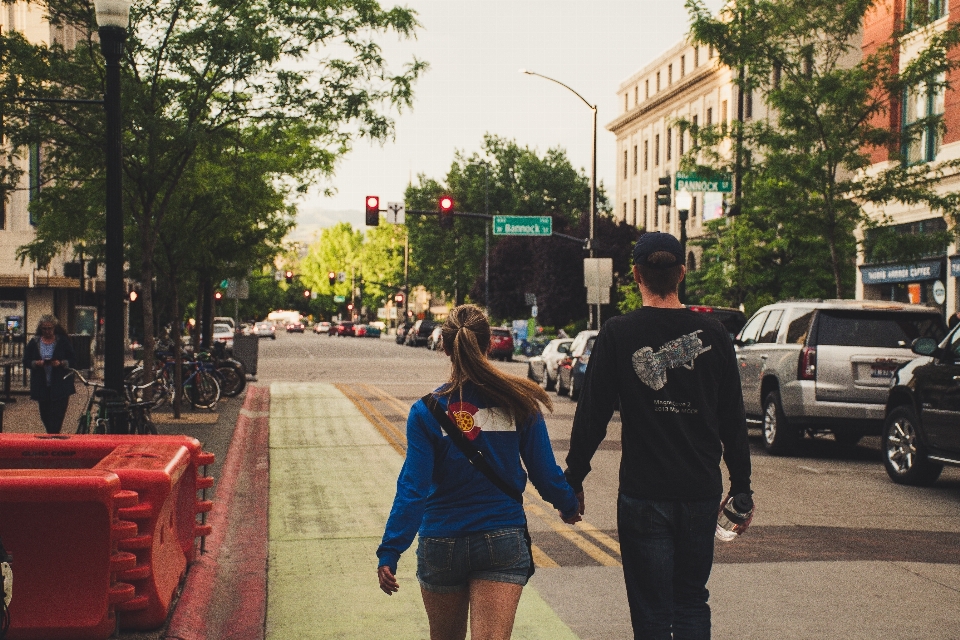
[(388, 583), (55, 363)]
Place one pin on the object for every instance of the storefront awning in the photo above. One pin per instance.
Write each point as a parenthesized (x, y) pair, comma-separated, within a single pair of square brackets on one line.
[(911, 272)]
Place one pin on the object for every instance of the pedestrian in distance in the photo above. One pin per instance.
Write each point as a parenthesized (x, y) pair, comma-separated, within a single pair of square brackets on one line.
[(48, 356), (675, 374), (474, 554)]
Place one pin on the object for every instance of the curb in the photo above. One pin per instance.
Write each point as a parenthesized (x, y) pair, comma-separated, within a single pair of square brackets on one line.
[(224, 595)]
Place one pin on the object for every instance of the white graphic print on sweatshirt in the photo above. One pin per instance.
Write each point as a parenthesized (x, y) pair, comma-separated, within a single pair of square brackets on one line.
[(651, 367)]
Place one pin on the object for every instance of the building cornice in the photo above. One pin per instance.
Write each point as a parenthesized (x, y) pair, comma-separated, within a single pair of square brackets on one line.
[(694, 80)]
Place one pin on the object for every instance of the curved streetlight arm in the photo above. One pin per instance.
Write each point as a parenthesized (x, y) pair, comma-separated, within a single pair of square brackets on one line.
[(574, 91)]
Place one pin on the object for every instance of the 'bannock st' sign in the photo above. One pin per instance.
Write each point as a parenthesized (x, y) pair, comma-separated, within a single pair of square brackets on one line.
[(522, 225), (699, 183)]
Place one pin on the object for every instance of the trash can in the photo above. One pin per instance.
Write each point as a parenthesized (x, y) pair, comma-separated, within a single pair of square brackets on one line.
[(246, 350), (83, 347)]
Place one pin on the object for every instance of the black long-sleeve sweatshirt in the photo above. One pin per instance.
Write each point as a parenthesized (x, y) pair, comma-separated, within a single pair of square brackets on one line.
[(675, 373)]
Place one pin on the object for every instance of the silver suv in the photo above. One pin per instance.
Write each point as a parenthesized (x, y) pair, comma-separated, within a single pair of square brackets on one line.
[(817, 366)]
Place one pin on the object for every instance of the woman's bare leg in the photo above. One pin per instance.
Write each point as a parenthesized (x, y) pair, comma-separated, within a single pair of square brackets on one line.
[(447, 613), (493, 607)]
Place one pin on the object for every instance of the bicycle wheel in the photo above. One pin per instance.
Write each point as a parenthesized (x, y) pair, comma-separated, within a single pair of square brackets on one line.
[(205, 391), (141, 424), (231, 382), (83, 424)]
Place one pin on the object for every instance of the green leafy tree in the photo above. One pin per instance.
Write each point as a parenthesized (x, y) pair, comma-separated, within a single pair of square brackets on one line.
[(194, 71), (804, 187), (338, 250)]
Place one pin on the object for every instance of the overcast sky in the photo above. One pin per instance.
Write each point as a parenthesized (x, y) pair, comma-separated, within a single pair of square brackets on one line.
[(475, 49)]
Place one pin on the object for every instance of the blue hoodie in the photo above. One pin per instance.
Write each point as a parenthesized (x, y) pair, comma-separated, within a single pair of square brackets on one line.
[(440, 494)]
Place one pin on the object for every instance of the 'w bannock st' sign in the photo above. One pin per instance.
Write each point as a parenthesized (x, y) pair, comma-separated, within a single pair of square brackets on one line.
[(522, 225), (700, 183)]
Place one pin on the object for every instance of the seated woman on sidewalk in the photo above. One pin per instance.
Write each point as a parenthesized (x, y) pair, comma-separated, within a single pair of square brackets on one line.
[(474, 553), (47, 355)]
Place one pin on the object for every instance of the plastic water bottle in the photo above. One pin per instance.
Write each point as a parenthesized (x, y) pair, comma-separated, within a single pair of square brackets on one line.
[(735, 516)]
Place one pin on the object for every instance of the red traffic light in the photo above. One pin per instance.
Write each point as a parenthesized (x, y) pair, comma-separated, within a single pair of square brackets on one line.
[(134, 295), (398, 298), (218, 295), (446, 204), (350, 307), (306, 293), (373, 211)]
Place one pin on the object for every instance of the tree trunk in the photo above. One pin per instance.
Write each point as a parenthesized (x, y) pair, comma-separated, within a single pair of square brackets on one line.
[(177, 344), (149, 338)]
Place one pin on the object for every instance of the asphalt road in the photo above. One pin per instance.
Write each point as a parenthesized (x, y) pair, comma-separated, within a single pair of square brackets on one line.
[(836, 550)]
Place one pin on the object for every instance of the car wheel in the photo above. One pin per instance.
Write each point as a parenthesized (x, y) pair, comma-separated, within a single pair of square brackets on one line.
[(847, 438), (561, 389), (508, 357), (903, 455), (548, 382), (778, 436), (530, 375), (574, 390)]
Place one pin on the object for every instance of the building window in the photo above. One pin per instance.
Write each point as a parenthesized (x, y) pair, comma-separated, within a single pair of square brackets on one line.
[(656, 216), (667, 218), (921, 12), (923, 108), (636, 95), (710, 52), (693, 208), (624, 164), (748, 104), (658, 82), (646, 220), (696, 56), (777, 73), (656, 150), (624, 211), (636, 159), (691, 262), (34, 177), (669, 144), (646, 155), (680, 138), (710, 116), (669, 74), (683, 66), (647, 88), (634, 221), (626, 100), (723, 112)]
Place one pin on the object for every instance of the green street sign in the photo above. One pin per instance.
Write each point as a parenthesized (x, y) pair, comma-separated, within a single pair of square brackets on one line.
[(698, 182), (522, 225), (339, 298), (224, 284)]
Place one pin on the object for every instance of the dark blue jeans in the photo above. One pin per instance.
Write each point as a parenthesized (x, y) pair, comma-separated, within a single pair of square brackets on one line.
[(667, 550)]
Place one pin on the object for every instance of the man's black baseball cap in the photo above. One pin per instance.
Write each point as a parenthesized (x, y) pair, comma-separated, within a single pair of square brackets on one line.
[(654, 242)]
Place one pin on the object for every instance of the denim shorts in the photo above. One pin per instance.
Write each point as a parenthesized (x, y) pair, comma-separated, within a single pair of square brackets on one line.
[(447, 565)]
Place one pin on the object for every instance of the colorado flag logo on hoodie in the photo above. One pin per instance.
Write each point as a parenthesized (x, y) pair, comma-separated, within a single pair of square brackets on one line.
[(471, 420)]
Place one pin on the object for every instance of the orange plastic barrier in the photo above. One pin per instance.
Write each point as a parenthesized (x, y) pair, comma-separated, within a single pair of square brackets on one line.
[(164, 475), (63, 529)]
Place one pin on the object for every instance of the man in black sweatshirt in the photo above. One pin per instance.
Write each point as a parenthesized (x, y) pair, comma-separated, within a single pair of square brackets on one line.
[(675, 374)]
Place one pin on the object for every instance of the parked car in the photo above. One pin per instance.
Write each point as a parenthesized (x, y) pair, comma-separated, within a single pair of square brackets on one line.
[(402, 331), (223, 333), (819, 366), (572, 367), (342, 329), (501, 344), (921, 431), (265, 330), (732, 319), (419, 333), (373, 331), (434, 342), (543, 368), (359, 330), (322, 327), (295, 327)]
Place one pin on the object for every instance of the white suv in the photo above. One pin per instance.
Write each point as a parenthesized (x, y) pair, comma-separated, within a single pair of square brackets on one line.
[(818, 366)]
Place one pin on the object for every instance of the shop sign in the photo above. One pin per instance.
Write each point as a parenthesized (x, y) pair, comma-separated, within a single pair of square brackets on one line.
[(917, 272), (955, 266)]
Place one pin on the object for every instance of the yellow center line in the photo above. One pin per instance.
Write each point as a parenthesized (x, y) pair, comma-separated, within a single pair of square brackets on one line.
[(395, 402), (542, 560), (564, 530), (586, 527), (387, 429)]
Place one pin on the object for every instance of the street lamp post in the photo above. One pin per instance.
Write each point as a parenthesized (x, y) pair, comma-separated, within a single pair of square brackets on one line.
[(113, 18), (683, 200), (593, 170)]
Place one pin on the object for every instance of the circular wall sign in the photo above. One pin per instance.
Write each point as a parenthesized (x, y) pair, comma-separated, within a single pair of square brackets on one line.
[(939, 292)]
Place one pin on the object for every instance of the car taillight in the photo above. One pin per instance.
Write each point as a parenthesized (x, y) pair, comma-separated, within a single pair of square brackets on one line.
[(565, 362), (585, 358), (807, 369)]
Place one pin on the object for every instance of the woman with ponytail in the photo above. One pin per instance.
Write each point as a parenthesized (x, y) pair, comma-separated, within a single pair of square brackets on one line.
[(474, 554)]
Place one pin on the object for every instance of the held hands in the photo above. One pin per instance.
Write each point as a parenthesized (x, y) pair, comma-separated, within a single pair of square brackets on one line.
[(577, 517), (388, 582)]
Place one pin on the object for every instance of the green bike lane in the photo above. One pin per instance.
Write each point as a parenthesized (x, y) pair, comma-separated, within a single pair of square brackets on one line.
[(332, 481)]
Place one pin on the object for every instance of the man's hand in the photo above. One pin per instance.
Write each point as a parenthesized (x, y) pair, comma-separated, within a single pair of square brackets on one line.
[(574, 519), (388, 583)]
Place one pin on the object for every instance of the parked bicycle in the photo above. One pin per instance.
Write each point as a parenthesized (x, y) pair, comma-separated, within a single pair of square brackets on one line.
[(101, 401), (200, 387)]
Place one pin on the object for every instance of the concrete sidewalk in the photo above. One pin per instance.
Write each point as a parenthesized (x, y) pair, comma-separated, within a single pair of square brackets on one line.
[(332, 482)]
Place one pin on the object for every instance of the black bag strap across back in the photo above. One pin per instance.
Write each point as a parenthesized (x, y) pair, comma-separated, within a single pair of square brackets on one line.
[(474, 455)]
